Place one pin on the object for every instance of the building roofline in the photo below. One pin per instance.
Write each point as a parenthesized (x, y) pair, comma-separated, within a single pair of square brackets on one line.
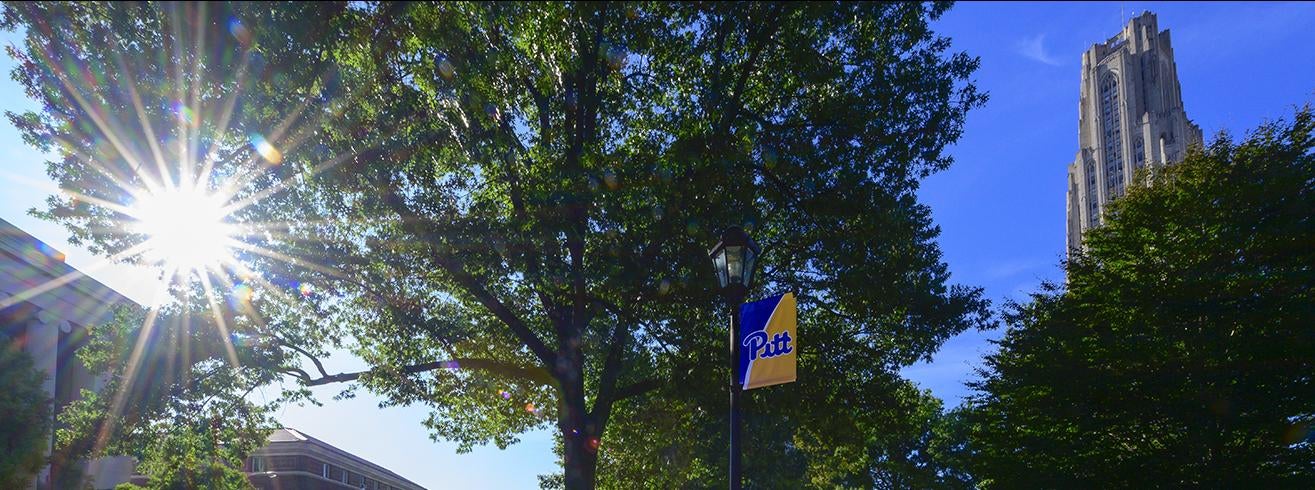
[(39, 255), (301, 438)]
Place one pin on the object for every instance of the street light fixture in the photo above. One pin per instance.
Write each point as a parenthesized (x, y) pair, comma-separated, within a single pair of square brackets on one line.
[(734, 257)]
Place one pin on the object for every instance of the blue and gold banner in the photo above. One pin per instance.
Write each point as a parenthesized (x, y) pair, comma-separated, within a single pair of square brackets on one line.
[(768, 342)]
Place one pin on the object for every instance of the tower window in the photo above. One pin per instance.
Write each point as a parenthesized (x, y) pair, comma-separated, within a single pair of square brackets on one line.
[(1112, 122)]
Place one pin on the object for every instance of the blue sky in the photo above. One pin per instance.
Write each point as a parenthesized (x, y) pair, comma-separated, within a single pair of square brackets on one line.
[(1000, 208)]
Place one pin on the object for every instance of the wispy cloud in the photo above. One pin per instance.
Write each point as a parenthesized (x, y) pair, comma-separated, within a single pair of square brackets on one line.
[(1034, 48), (1013, 267), (1023, 291)]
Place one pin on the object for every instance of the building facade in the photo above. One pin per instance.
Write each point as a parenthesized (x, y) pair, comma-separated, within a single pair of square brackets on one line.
[(47, 309), (295, 461), (1130, 117)]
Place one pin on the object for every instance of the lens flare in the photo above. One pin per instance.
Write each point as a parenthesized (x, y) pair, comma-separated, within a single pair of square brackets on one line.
[(265, 148), (186, 228), (446, 70), (240, 297), (239, 32), (185, 114)]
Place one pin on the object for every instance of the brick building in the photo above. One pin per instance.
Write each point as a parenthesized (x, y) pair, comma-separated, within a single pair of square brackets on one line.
[(295, 461)]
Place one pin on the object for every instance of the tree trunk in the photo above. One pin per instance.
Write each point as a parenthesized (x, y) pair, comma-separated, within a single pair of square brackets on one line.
[(580, 458), (579, 433), (579, 442)]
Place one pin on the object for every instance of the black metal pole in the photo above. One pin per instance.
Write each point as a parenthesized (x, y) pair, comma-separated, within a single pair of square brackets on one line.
[(734, 301)]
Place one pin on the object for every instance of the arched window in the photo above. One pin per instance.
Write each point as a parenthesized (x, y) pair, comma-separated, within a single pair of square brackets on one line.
[(1093, 205), (1139, 152), (1112, 124)]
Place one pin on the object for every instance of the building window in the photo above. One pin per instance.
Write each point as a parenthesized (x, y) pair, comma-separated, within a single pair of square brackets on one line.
[(1139, 152), (258, 464), (1113, 129), (1092, 206), (326, 470)]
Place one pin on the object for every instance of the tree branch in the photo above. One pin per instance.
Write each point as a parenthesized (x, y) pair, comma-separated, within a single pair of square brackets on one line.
[(533, 374), (636, 389), (533, 258), (298, 373), (611, 372), (541, 106), (500, 310), (586, 85), (319, 366), (468, 282), (731, 109)]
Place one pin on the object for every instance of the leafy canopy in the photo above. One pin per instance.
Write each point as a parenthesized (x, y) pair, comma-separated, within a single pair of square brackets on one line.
[(25, 426), (504, 208), (171, 399), (1179, 352)]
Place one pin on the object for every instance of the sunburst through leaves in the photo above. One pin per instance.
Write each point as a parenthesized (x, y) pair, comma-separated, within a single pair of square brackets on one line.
[(187, 227)]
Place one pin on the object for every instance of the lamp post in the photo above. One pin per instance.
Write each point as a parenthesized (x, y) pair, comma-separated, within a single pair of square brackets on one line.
[(734, 257)]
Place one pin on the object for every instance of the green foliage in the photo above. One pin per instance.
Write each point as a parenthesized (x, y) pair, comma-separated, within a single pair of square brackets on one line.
[(504, 208), (172, 400), (1179, 353), (195, 458), (25, 424), (832, 432)]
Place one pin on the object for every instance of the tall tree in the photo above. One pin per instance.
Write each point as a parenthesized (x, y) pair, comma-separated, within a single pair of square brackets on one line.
[(172, 399), (504, 208), (1179, 353), (25, 427)]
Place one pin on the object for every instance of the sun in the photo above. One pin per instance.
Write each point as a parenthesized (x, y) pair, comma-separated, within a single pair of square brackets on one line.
[(186, 228)]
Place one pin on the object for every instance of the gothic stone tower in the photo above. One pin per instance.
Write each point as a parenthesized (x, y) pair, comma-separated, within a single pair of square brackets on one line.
[(1130, 117)]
